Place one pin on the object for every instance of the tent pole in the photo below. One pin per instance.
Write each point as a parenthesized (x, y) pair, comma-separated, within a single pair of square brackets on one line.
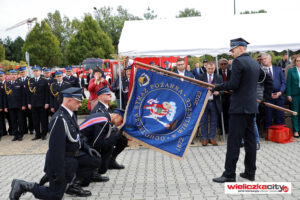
[(222, 116), (120, 86)]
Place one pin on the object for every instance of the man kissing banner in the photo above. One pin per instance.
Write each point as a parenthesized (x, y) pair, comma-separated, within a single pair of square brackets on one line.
[(163, 112)]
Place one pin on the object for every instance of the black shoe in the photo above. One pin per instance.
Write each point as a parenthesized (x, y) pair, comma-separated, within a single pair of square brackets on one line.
[(31, 132), (247, 176), (14, 139), (36, 138), (115, 165), (20, 139), (44, 180), (258, 146), (223, 179), (19, 187), (44, 138), (96, 177), (76, 190)]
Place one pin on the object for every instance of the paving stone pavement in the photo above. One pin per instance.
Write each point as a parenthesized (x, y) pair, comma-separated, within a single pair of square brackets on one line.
[(151, 175)]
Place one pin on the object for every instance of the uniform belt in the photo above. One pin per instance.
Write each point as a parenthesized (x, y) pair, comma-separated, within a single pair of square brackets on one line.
[(210, 100), (71, 154)]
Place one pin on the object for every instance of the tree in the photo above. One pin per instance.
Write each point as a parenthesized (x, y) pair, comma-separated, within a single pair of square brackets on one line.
[(149, 15), (112, 24), (89, 41), (8, 45), (16, 49), (253, 12), (2, 52), (62, 28), (188, 12), (43, 46)]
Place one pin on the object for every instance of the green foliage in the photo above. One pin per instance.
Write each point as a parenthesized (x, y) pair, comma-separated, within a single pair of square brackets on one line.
[(62, 28), (149, 15), (13, 49), (188, 12), (7, 65), (43, 46), (89, 42), (113, 105), (2, 52), (192, 61), (112, 24), (82, 110), (253, 12)]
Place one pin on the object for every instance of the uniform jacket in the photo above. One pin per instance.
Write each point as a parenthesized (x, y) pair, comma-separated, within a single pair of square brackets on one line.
[(100, 107), (57, 162), (227, 76), (56, 98), (217, 79), (74, 81), (95, 129), (38, 92), (125, 86), (14, 94), (292, 82), (243, 81), (25, 82), (2, 95)]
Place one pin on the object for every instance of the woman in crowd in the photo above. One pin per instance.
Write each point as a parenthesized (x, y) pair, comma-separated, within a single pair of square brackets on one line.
[(293, 93)]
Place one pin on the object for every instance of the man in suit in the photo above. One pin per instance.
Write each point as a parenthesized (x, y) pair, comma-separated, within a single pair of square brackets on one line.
[(38, 103), (27, 113), (225, 73), (180, 65), (70, 78), (213, 107), (14, 103), (277, 97), (243, 82), (197, 71), (61, 162)]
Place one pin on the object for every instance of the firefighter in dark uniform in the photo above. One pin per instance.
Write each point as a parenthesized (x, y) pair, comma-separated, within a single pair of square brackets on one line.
[(100, 132), (27, 113), (14, 103), (243, 81), (47, 75), (74, 81), (56, 97), (2, 114), (104, 98), (38, 103), (124, 87), (61, 163)]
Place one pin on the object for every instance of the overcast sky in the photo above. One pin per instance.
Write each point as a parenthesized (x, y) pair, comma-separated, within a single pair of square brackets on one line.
[(14, 11)]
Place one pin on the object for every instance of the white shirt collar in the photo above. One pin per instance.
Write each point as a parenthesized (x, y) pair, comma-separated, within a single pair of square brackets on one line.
[(37, 78), (106, 106), (69, 111), (181, 73)]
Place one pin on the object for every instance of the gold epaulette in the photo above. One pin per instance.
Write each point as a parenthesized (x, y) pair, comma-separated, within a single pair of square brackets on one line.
[(32, 90), (7, 92)]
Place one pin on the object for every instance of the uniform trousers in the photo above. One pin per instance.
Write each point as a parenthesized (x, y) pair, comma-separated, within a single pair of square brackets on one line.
[(39, 118), (240, 126), (56, 189), (17, 121)]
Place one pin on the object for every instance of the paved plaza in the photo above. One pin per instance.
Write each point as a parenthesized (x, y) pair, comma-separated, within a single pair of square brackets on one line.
[(152, 175)]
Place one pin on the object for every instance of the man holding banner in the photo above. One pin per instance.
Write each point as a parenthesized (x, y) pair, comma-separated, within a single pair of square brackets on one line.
[(243, 82)]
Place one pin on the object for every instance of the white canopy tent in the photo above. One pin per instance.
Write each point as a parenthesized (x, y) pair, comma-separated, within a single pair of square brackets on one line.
[(208, 35)]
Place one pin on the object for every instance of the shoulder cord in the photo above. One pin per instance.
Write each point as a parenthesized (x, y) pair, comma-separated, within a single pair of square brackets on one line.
[(51, 90), (263, 78), (7, 92), (30, 89), (101, 132), (67, 132)]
